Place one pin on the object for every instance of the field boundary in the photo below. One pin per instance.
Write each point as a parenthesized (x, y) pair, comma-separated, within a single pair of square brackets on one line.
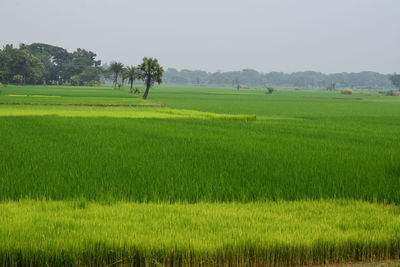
[(84, 105)]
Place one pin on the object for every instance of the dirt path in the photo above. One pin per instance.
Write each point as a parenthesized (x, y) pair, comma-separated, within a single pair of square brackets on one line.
[(388, 263)]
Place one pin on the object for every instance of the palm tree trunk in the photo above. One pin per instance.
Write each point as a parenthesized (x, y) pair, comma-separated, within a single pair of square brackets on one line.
[(115, 80), (146, 92), (148, 84)]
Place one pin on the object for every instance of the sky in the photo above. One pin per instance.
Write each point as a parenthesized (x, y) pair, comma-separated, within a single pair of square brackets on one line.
[(217, 35)]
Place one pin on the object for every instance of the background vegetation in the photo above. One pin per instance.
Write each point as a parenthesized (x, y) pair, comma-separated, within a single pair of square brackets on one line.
[(39, 63)]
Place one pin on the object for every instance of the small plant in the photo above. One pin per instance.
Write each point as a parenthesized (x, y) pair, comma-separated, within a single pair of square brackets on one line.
[(346, 92), (134, 90), (270, 90)]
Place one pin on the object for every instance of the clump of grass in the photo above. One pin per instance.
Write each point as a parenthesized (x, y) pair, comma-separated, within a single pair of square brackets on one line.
[(346, 92), (80, 203)]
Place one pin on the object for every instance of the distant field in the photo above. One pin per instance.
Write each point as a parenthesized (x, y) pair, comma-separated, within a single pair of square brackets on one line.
[(336, 158)]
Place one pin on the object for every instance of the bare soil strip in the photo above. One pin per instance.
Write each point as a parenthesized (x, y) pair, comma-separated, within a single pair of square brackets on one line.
[(387, 263)]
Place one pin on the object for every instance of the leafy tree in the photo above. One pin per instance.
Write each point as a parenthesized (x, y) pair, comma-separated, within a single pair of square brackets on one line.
[(55, 60), (132, 74), (150, 72), (83, 63), (395, 79), (42, 63), (14, 61), (116, 68)]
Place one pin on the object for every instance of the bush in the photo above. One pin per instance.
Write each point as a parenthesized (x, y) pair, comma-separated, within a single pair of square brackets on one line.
[(346, 92), (270, 90), (392, 93), (389, 93)]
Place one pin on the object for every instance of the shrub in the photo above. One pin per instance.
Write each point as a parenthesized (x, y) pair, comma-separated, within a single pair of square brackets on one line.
[(392, 93), (389, 93), (270, 90), (346, 92)]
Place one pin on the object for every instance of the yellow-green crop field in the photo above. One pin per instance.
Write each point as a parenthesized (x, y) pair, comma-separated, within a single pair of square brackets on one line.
[(197, 176)]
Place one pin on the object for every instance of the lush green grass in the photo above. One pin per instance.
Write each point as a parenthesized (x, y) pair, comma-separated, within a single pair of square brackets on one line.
[(324, 151), (304, 145), (283, 233)]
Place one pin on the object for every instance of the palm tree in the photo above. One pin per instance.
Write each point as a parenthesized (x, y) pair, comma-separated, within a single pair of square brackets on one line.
[(116, 68), (132, 74), (150, 72)]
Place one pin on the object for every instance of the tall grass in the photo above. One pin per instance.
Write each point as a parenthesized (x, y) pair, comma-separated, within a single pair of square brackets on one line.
[(283, 233)]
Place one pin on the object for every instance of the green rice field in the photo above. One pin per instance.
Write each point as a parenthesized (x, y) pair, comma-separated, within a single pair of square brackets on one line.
[(197, 176)]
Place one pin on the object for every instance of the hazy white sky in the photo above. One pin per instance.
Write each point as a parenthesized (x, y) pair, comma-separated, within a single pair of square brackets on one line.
[(266, 35)]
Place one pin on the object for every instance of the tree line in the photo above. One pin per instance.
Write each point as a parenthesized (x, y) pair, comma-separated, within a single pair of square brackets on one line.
[(40, 63), (46, 64), (306, 79), (149, 71)]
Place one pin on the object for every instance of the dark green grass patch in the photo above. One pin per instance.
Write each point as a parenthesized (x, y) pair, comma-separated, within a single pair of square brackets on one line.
[(196, 160)]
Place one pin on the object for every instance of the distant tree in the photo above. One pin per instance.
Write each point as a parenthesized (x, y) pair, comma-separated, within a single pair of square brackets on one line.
[(116, 68), (395, 79), (131, 74), (331, 87), (85, 65), (55, 61), (75, 80), (14, 61), (270, 90), (150, 72), (18, 79)]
